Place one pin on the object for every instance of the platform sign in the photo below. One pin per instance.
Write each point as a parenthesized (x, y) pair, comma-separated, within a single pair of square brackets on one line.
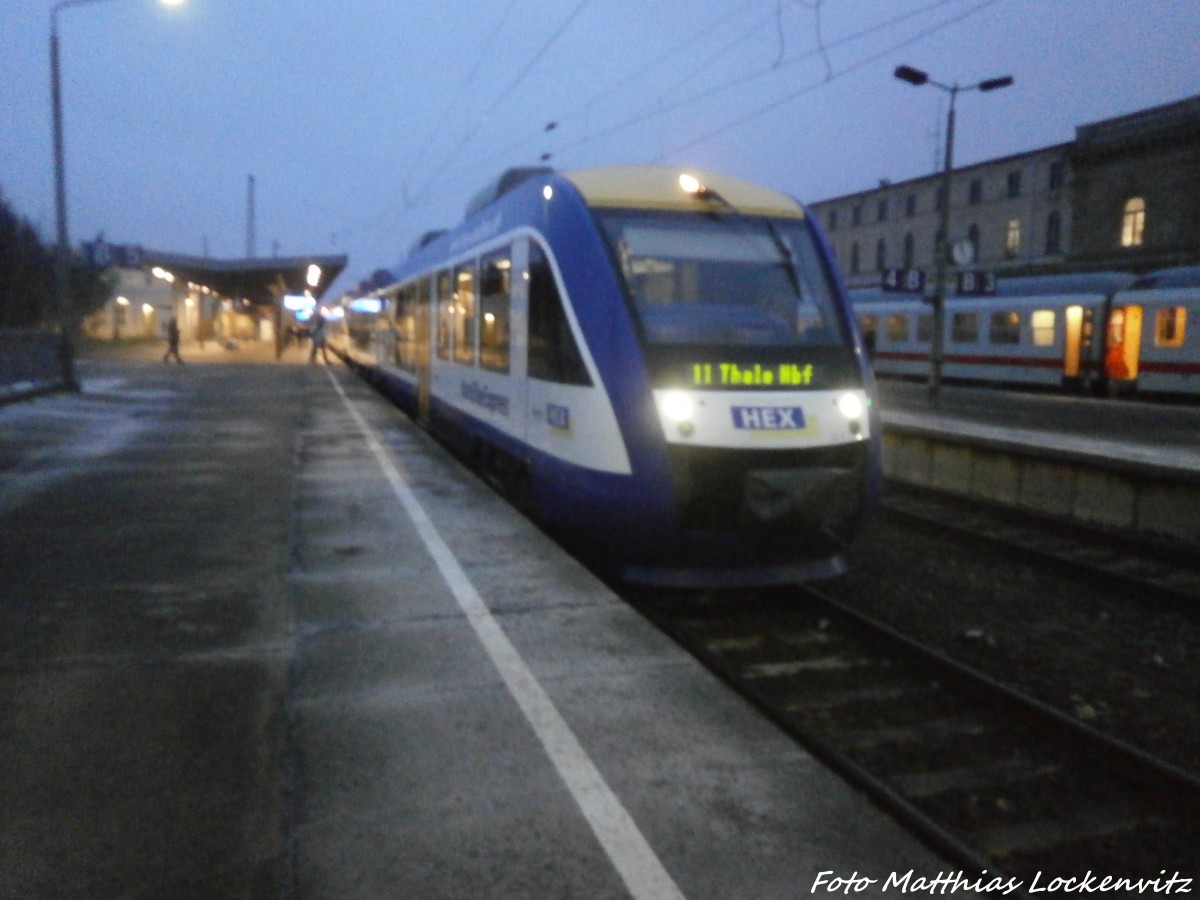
[(903, 281), (101, 255), (975, 284)]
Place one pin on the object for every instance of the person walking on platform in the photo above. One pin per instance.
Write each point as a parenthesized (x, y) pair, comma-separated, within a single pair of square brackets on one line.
[(317, 327), (173, 341)]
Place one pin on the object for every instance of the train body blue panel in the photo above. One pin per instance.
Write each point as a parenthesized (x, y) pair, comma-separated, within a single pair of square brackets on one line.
[(667, 377)]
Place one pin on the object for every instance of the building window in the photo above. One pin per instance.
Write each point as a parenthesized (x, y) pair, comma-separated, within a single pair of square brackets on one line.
[(1133, 225), (975, 194), (1053, 233), (910, 205), (1058, 174), (883, 210), (939, 198), (973, 237), (1012, 238), (1041, 322), (881, 255), (856, 215), (854, 258), (1014, 183), (909, 250), (833, 220), (1170, 325)]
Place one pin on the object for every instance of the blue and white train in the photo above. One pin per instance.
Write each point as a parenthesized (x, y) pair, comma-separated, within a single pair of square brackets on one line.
[(661, 366)]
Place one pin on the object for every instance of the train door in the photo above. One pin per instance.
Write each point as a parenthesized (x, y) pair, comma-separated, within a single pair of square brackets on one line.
[(424, 350), (1073, 343), (1123, 345)]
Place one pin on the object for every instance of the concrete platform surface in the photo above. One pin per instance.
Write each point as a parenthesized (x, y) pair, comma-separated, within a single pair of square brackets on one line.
[(261, 637)]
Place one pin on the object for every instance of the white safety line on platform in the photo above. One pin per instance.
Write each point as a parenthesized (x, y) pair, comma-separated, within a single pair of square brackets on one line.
[(626, 846)]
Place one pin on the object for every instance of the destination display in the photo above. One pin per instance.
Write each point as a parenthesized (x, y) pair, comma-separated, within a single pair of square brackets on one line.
[(732, 374)]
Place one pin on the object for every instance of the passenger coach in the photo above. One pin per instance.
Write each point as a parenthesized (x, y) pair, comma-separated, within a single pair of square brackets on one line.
[(660, 366)]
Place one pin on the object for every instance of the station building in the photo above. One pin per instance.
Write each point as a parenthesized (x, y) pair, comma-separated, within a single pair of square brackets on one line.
[(1123, 195)]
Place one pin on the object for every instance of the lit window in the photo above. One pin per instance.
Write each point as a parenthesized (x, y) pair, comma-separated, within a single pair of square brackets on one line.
[(897, 329), (1012, 238), (1042, 324), (1134, 223), (1170, 325)]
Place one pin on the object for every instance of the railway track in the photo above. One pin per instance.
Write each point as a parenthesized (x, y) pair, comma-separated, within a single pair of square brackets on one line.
[(1161, 572), (990, 778)]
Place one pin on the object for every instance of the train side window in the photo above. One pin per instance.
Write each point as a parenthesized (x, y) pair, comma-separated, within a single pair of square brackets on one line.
[(964, 328), (1005, 328), (406, 328), (495, 300), (897, 328), (1041, 323), (925, 328), (1170, 326), (445, 315), (553, 354), (464, 319)]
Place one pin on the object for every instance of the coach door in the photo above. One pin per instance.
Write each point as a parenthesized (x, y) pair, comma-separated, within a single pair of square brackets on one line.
[(1124, 342)]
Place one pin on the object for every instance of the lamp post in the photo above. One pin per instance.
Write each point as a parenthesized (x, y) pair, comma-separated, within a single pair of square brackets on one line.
[(62, 255), (941, 243)]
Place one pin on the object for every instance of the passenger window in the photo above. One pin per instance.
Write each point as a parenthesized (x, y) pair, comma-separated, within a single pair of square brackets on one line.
[(1170, 326), (445, 315), (463, 314), (897, 329), (553, 354), (406, 328), (1041, 323), (1005, 328), (925, 328), (495, 300), (964, 328)]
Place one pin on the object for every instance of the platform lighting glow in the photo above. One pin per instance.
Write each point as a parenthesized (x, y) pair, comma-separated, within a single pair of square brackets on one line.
[(172, 2), (678, 406), (314, 275), (548, 192), (147, 309), (122, 301), (850, 405)]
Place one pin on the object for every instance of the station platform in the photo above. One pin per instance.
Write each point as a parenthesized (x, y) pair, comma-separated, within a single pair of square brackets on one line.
[(261, 637), (1127, 466)]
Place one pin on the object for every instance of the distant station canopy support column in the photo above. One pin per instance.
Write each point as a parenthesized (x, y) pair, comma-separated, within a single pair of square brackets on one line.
[(942, 242)]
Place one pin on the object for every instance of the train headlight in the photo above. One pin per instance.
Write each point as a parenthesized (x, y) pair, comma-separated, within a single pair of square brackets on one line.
[(851, 405), (678, 407)]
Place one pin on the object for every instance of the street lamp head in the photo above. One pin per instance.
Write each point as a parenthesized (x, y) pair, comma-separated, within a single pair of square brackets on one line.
[(911, 75), (993, 84), (172, 2)]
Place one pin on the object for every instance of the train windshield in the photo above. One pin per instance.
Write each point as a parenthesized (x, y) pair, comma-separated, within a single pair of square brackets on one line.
[(716, 279)]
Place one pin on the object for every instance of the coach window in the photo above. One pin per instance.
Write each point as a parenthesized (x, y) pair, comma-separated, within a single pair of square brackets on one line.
[(406, 328), (925, 328), (964, 328), (897, 328), (553, 353), (1041, 323), (1133, 224), (1170, 325), (495, 298), (445, 321), (1005, 328), (465, 318)]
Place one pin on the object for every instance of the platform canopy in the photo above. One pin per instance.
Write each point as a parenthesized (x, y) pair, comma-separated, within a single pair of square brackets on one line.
[(258, 280)]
